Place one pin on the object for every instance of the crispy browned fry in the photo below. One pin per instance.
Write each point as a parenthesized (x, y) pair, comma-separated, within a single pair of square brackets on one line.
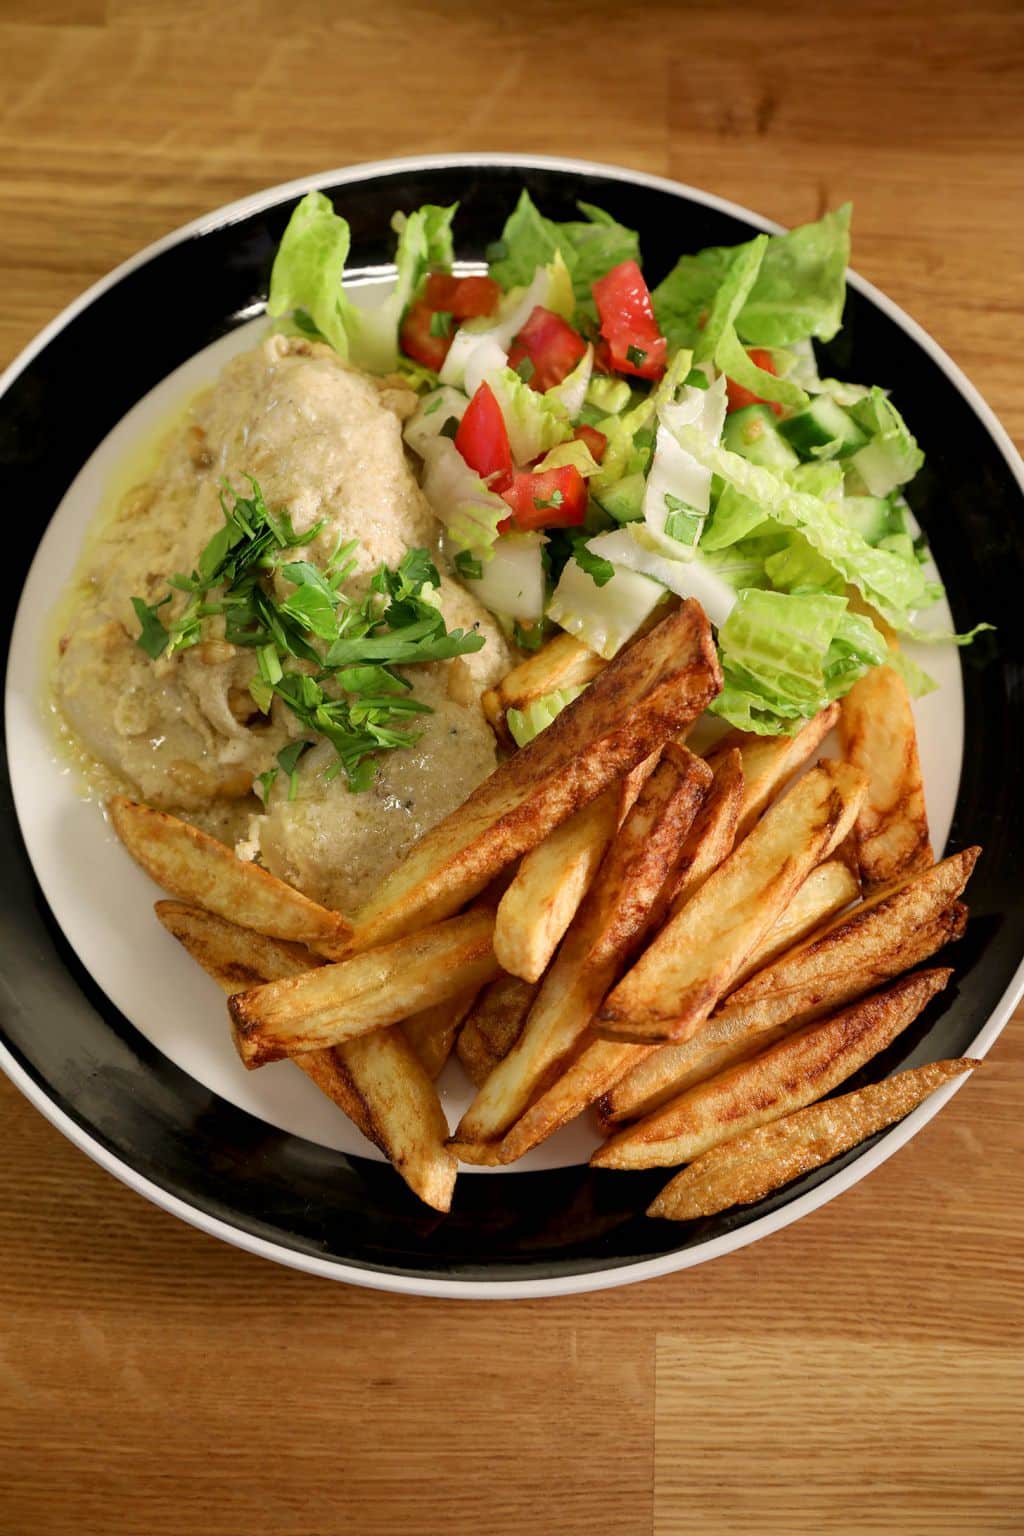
[(854, 940), (201, 871), (562, 663), (714, 831), (384, 1091), (746, 1169), (740, 1030), (628, 895), (601, 1063), (432, 1033), (677, 982), (494, 1024), (876, 729), (793, 1072), (651, 691), (769, 761), (382, 986), (827, 890), (549, 886)]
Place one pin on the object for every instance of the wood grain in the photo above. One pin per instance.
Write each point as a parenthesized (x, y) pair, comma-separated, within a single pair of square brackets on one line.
[(859, 1372)]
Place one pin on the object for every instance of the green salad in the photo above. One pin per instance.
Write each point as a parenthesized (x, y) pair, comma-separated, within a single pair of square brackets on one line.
[(592, 444)]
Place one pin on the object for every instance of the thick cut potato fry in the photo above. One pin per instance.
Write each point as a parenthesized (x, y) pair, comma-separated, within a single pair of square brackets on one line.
[(493, 1026), (549, 886), (827, 890), (432, 1033), (649, 693), (629, 894), (714, 832), (384, 1092), (876, 729), (743, 1170), (674, 986), (770, 761), (562, 663), (855, 939), (338, 1002), (793, 1072), (199, 870), (740, 1030)]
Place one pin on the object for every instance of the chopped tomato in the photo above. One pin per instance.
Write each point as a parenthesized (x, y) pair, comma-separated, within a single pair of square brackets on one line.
[(596, 441), (628, 323), (552, 498), (482, 439), (419, 341), (464, 298), (739, 396), (550, 344)]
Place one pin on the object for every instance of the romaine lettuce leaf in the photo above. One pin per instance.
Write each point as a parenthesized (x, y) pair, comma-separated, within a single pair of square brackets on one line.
[(590, 247), (535, 423), (603, 617), (892, 456), (309, 270), (719, 342), (784, 657), (798, 292), (460, 499), (893, 585)]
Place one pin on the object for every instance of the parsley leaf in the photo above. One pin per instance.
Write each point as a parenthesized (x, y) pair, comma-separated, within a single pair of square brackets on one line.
[(154, 637), (555, 500), (636, 355), (468, 566), (597, 567)]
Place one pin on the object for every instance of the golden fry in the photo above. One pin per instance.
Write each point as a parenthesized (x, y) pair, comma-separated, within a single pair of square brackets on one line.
[(382, 986), (740, 1030), (494, 1024), (199, 870), (827, 890), (795, 1071), (383, 1091), (652, 689), (432, 1032), (674, 986), (713, 834), (562, 663), (770, 761), (628, 895), (743, 1170), (876, 729), (549, 886)]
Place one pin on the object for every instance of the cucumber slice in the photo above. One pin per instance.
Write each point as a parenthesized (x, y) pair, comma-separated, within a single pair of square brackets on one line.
[(871, 516), (753, 433), (823, 422), (625, 499)]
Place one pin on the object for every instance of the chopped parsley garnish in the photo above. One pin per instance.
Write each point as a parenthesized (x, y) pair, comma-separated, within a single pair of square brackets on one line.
[(529, 637), (636, 355), (441, 323), (597, 567), (554, 500), (325, 656), (526, 369), (468, 566), (450, 428)]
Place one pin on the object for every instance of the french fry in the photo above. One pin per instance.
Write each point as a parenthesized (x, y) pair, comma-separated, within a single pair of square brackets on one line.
[(493, 1026), (601, 1063), (562, 663), (827, 890), (383, 986), (203, 872), (383, 1091), (855, 939), (743, 1170), (876, 729), (740, 1030), (769, 761), (628, 895), (677, 982), (795, 1071), (650, 692), (432, 1033), (714, 832), (549, 885)]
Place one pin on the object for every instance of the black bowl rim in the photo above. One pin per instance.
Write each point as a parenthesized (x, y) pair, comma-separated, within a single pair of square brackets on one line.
[(878, 1151)]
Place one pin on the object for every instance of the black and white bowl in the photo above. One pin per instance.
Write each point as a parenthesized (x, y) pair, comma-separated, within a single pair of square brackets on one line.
[(120, 1041)]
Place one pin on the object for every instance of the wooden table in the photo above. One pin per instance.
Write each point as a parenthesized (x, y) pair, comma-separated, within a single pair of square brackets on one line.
[(860, 1372)]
